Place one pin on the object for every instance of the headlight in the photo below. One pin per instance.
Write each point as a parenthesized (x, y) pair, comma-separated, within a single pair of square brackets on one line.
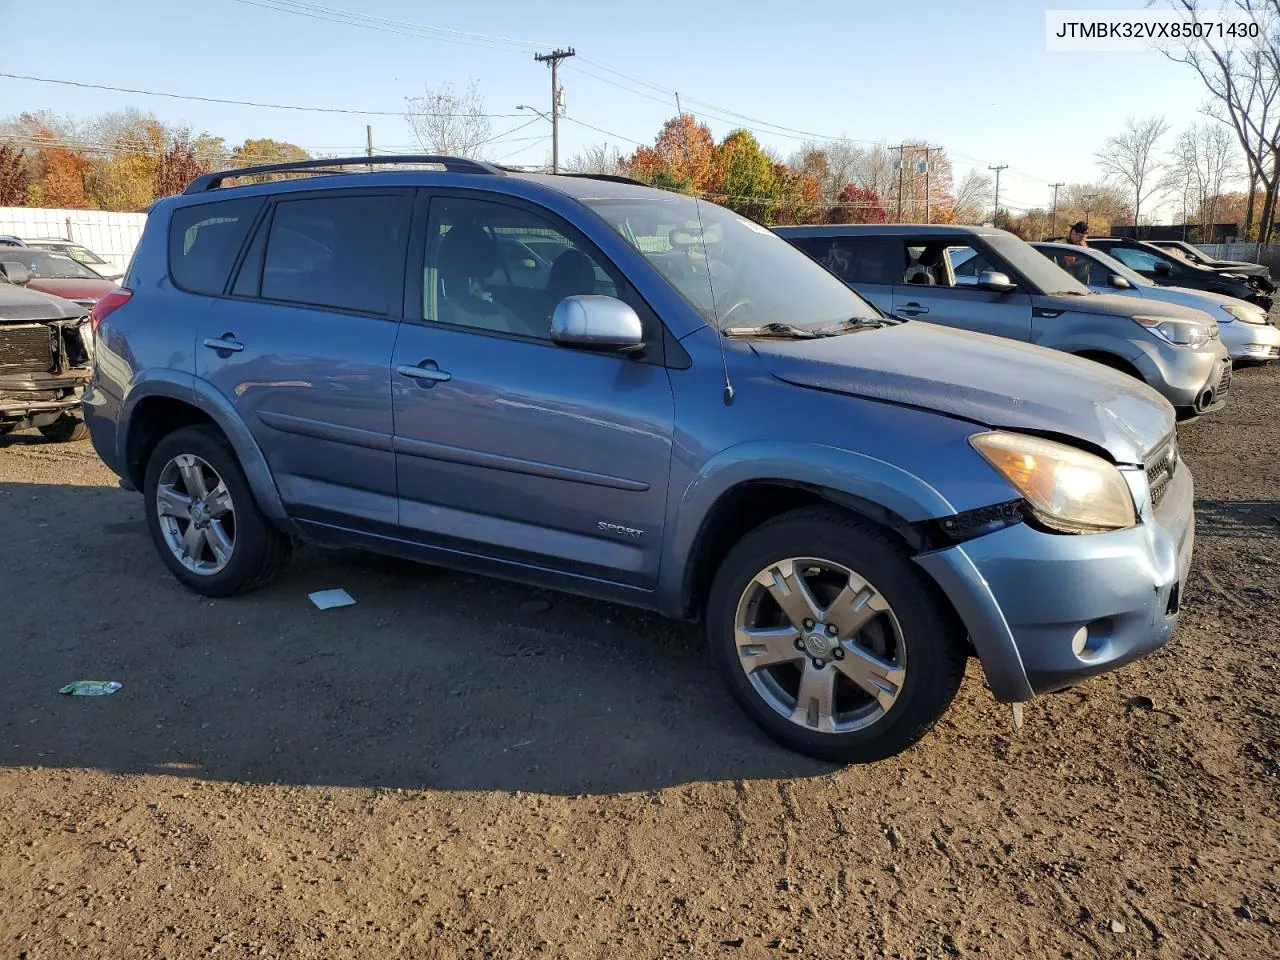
[(1244, 313), (1181, 333), (1067, 489)]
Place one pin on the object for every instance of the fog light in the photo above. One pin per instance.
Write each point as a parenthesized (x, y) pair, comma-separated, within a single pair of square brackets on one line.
[(1079, 641)]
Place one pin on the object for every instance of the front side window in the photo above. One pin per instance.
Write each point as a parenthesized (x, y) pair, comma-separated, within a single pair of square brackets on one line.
[(501, 268), (340, 252), (732, 271), (1139, 260)]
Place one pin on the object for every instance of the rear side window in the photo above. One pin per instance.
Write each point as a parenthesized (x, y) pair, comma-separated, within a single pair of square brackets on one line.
[(204, 240), (857, 259), (346, 252)]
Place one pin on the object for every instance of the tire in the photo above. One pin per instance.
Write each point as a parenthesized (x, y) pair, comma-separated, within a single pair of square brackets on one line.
[(895, 616), (7, 428), (250, 550), (65, 429)]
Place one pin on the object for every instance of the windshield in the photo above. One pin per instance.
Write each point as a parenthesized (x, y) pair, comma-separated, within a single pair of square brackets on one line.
[(74, 251), (733, 271), (47, 266), (1041, 272)]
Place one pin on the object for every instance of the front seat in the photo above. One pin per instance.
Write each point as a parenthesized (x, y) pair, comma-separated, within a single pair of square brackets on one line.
[(468, 257), (572, 275)]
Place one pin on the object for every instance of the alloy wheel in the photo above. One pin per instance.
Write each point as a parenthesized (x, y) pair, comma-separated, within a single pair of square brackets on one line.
[(820, 645), (197, 515)]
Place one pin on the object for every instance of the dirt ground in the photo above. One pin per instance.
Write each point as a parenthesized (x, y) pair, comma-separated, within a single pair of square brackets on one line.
[(456, 767)]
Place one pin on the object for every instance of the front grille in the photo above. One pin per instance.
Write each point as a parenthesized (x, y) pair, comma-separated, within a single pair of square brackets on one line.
[(1160, 471), (26, 348)]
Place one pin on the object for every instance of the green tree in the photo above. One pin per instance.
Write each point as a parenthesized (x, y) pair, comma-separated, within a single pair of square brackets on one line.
[(743, 176)]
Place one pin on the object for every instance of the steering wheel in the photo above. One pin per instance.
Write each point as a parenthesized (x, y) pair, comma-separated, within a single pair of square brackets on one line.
[(724, 317)]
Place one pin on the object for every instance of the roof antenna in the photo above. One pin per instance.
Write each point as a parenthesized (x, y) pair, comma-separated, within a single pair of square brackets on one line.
[(724, 363)]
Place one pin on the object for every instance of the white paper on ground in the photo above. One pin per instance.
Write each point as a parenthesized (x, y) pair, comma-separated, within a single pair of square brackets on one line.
[(325, 599)]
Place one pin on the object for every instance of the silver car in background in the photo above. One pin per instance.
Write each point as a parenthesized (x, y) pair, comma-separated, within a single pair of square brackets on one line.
[(1243, 327), (988, 281)]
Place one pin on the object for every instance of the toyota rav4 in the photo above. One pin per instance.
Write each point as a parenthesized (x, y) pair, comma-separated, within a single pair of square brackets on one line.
[(681, 412)]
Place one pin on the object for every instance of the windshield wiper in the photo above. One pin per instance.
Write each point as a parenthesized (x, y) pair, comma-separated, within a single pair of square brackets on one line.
[(780, 330), (858, 323)]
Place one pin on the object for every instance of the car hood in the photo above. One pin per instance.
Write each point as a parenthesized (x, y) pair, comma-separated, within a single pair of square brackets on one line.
[(18, 303), (988, 380), (1116, 305), (73, 288)]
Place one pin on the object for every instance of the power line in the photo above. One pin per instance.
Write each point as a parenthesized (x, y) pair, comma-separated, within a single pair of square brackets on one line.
[(607, 133), (236, 103)]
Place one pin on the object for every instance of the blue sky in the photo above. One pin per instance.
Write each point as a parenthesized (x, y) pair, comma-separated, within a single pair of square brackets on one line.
[(974, 77)]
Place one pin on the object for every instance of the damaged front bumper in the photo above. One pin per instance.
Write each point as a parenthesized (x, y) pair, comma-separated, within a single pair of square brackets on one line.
[(35, 391)]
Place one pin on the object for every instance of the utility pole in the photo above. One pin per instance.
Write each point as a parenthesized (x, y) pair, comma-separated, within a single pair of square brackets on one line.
[(1053, 228), (926, 186), (554, 58), (995, 213), (368, 139), (1088, 205), (900, 150)]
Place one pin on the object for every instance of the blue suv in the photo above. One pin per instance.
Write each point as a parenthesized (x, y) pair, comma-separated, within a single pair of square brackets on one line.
[(590, 385)]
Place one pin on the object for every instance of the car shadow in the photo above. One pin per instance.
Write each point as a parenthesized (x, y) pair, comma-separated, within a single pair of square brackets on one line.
[(1238, 519), (431, 680)]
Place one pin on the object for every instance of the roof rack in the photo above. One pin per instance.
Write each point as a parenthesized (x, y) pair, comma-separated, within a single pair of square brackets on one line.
[(211, 181), (611, 177)]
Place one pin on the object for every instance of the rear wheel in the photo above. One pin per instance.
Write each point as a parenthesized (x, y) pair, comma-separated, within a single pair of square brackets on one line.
[(830, 639), (203, 518), (65, 429)]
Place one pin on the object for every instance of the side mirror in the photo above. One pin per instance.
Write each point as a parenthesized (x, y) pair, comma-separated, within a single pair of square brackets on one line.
[(1119, 282), (591, 322), (14, 272), (1163, 269), (995, 281)]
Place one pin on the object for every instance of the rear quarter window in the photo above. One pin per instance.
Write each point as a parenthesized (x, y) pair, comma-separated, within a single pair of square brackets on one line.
[(204, 240)]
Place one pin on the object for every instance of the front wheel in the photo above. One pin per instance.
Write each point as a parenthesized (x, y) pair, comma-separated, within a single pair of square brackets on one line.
[(203, 518), (830, 638), (65, 429)]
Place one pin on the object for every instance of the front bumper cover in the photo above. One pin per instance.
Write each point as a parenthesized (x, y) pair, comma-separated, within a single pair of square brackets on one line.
[(1024, 594)]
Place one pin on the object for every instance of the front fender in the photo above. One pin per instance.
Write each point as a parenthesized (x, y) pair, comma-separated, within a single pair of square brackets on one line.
[(858, 475), (208, 400)]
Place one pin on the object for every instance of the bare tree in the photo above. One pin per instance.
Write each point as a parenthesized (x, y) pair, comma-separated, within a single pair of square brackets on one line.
[(449, 123), (1244, 86), (603, 158), (1130, 160), (1203, 159), (973, 196)]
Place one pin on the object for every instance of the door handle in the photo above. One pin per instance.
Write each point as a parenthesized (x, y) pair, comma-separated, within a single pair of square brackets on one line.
[(226, 343), (912, 309), (428, 372)]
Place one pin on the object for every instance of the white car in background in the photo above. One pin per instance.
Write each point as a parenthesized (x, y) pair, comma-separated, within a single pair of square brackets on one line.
[(1243, 326), (79, 253)]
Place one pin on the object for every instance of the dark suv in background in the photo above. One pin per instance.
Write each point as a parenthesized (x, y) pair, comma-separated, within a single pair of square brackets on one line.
[(1170, 270), (591, 385)]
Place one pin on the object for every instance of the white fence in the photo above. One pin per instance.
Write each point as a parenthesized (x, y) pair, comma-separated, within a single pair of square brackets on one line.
[(112, 236)]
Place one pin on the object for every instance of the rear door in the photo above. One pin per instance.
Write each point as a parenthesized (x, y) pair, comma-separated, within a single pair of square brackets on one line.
[(870, 265), (301, 346), (930, 290)]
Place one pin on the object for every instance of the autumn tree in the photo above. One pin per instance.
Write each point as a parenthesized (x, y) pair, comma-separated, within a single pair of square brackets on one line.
[(972, 197), (449, 122), (14, 179), (687, 148), (123, 177), (178, 166), (855, 204)]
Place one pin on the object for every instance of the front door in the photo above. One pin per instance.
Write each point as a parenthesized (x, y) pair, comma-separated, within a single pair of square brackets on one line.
[(932, 290), (508, 445), (303, 347)]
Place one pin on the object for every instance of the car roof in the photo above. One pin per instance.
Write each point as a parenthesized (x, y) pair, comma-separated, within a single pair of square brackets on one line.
[(890, 230)]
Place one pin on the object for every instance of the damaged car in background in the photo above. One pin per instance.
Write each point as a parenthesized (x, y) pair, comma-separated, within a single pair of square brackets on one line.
[(46, 352)]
